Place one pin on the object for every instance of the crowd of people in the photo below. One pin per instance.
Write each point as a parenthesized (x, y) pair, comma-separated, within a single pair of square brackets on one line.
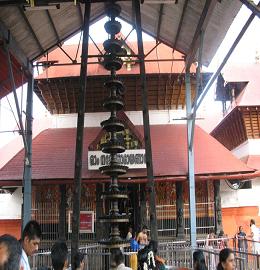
[(14, 254)]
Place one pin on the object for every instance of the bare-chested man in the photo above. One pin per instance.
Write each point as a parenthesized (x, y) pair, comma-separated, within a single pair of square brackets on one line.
[(142, 237)]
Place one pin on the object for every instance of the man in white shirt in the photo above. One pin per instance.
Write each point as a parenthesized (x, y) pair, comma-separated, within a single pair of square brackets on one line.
[(30, 242), (255, 236), (10, 253)]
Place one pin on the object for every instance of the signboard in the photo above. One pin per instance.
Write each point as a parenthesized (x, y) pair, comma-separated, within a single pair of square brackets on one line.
[(86, 222), (134, 159)]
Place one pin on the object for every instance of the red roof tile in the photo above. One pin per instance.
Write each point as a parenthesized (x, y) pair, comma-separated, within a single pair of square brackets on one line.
[(253, 161), (54, 151), (162, 52)]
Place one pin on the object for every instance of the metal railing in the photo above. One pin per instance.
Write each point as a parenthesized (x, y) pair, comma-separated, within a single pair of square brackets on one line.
[(177, 255)]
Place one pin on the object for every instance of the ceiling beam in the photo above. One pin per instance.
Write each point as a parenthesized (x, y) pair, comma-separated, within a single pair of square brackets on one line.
[(53, 25), (252, 6), (14, 48), (159, 22), (44, 2), (180, 24), (201, 27), (31, 29), (80, 13)]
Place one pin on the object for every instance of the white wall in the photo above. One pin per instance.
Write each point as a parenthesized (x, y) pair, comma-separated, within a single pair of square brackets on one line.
[(241, 197), (94, 119), (250, 147), (10, 205)]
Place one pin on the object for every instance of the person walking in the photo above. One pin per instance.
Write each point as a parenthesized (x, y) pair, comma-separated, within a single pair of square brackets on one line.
[(30, 241)]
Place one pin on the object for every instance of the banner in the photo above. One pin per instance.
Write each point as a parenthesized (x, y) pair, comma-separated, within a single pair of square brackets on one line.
[(86, 222), (134, 159)]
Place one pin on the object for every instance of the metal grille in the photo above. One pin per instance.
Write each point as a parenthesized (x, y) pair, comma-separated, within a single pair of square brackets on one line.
[(177, 255)]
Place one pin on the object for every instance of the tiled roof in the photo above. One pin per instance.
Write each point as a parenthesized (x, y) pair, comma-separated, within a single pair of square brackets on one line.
[(54, 155), (253, 161)]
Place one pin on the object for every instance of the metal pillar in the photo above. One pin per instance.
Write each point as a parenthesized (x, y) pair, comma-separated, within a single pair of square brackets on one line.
[(27, 173), (218, 212), (62, 213), (215, 75), (190, 162), (12, 82), (80, 135), (146, 123), (179, 211)]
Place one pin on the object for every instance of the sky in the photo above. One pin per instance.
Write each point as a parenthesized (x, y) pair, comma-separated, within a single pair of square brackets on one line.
[(244, 53)]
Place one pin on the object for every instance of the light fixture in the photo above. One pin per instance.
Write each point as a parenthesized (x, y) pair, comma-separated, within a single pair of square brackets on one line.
[(42, 7)]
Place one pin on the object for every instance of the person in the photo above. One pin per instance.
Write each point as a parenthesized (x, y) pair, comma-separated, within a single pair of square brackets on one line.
[(148, 258), (142, 237), (226, 260), (255, 236), (30, 242), (133, 262), (129, 234), (241, 239), (79, 261), (222, 242), (10, 253), (59, 256), (210, 243), (117, 260), (199, 260)]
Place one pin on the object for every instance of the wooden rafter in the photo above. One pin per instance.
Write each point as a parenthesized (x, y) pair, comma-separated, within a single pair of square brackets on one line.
[(48, 86), (53, 25), (57, 88), (80, 13), (31, 29), (159, 22), (179, 95), (66, 94), (201, 27), (180, 24)]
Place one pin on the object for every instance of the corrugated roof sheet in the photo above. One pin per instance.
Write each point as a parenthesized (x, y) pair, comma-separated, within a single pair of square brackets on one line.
[(68, 20)]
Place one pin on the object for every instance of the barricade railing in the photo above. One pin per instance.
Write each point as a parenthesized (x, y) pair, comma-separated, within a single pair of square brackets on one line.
[(178, 254)]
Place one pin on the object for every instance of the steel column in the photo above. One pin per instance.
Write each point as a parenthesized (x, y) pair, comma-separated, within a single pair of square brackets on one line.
[(190, 149), (12, 82), (146, 123), (27, 173), (80, 135), (215, 75)]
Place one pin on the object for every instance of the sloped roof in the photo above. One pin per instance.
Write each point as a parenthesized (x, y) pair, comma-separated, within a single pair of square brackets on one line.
[(253, 161), (156, 19), (152, 66), (58, 86), (54, 153)]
